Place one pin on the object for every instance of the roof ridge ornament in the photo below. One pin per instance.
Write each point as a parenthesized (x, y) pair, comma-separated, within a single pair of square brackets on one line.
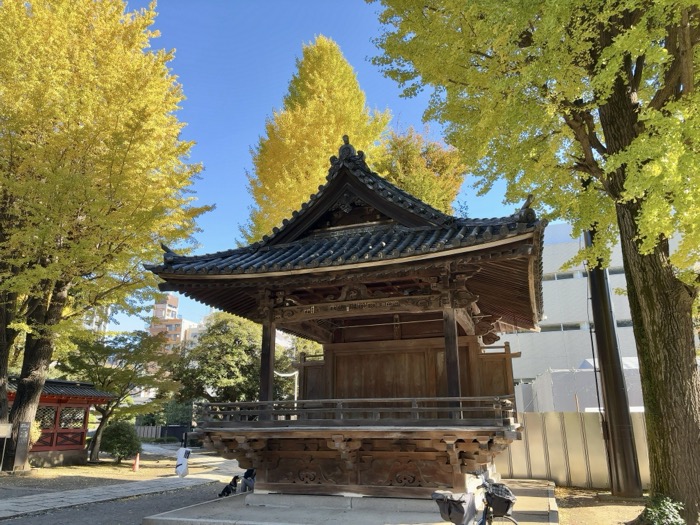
[(526, 213), (347, 152)]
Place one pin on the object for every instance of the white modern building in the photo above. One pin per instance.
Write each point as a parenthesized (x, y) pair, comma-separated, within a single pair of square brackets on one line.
[(566, 342)]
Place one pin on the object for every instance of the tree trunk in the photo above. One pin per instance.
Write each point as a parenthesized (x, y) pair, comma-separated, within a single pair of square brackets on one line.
[(37, 356), (7, 338), (661, 308), (97, 438)]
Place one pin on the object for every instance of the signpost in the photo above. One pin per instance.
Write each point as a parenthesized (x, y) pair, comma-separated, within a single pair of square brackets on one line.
[(22, 449)]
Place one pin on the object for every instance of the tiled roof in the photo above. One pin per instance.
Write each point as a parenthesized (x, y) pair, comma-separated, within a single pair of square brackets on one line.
[(326, 239), (346, 247), (292, 248), (356, 165), (57, 387)]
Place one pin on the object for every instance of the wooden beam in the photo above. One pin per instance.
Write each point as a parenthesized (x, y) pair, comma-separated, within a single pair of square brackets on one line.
[(465, 321), (432, 343), (454, 388), (267, 365), (360, 308), (312, 330)]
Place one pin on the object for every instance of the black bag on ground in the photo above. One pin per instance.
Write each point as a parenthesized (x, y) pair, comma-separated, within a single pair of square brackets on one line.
[(459, 509)]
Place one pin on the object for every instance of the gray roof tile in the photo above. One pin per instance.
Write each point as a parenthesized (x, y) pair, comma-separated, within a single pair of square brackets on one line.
[(58, 387), (381, 242)]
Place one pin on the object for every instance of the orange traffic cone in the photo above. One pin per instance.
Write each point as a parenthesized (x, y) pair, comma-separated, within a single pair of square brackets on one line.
[(135, 466)]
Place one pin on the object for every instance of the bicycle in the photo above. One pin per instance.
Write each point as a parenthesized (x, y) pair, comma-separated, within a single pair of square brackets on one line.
[(461, 509), (499, 501)]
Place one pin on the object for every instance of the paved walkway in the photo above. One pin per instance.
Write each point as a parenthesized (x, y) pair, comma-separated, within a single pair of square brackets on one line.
[(535, 505), (14, 507)]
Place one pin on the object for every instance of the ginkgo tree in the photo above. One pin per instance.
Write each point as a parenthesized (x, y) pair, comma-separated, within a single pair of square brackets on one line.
[(593, 107), (93, 173), (424, 168), (324, 102)]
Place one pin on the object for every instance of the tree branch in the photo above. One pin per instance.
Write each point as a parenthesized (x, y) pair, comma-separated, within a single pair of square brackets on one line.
[(581, 123)]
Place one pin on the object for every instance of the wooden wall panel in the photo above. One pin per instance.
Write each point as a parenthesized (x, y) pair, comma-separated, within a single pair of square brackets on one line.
[(440, 375), (368, 333), (422, 329), (313, 382), (494, 377), (388, 374)]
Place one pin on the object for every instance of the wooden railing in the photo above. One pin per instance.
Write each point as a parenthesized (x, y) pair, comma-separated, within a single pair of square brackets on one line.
[(404, 412)]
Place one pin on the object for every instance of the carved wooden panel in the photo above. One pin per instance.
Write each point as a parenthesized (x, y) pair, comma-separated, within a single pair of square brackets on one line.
[(374, 465)]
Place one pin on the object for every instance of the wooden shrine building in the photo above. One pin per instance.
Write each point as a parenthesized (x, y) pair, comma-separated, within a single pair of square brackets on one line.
[(63, 416), (408, 396)]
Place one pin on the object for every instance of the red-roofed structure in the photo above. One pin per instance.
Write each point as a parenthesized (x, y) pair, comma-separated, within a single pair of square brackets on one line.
[(63, 414)]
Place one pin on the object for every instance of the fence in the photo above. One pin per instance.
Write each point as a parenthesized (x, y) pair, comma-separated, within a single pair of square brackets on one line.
[(419, 411), (567, 448), (148, 432)]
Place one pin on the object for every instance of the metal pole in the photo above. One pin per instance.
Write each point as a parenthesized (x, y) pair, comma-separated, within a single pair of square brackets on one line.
[(624, 469)]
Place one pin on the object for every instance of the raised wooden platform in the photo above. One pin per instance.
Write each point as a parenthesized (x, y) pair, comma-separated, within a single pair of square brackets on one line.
[(379, 456)]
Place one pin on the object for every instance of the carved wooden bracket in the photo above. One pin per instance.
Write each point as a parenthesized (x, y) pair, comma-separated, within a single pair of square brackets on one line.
[(251, 449), (452, 452), (348, 449)]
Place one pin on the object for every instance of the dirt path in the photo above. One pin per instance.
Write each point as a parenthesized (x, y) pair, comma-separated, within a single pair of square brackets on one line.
[(584, 507)]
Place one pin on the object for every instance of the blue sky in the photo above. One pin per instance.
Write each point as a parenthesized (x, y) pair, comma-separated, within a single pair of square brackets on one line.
[(234, 59)]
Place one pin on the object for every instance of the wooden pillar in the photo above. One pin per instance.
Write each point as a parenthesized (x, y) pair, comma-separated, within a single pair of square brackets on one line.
[(267, 365), (449, 317)]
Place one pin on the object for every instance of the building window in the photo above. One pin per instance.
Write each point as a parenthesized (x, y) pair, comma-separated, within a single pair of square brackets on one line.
[(72, 417), (46, 416)]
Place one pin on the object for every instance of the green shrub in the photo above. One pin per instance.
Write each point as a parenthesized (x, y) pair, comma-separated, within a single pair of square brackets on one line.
[(34, 432), (121, 441), (663, 511)]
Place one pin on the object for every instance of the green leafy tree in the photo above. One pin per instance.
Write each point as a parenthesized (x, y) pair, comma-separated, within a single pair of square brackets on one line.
[(178, 412), (423, 168), (121, 440), (224, 365), (92, 172), (324, 102), (592, 106), (120, 365)]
